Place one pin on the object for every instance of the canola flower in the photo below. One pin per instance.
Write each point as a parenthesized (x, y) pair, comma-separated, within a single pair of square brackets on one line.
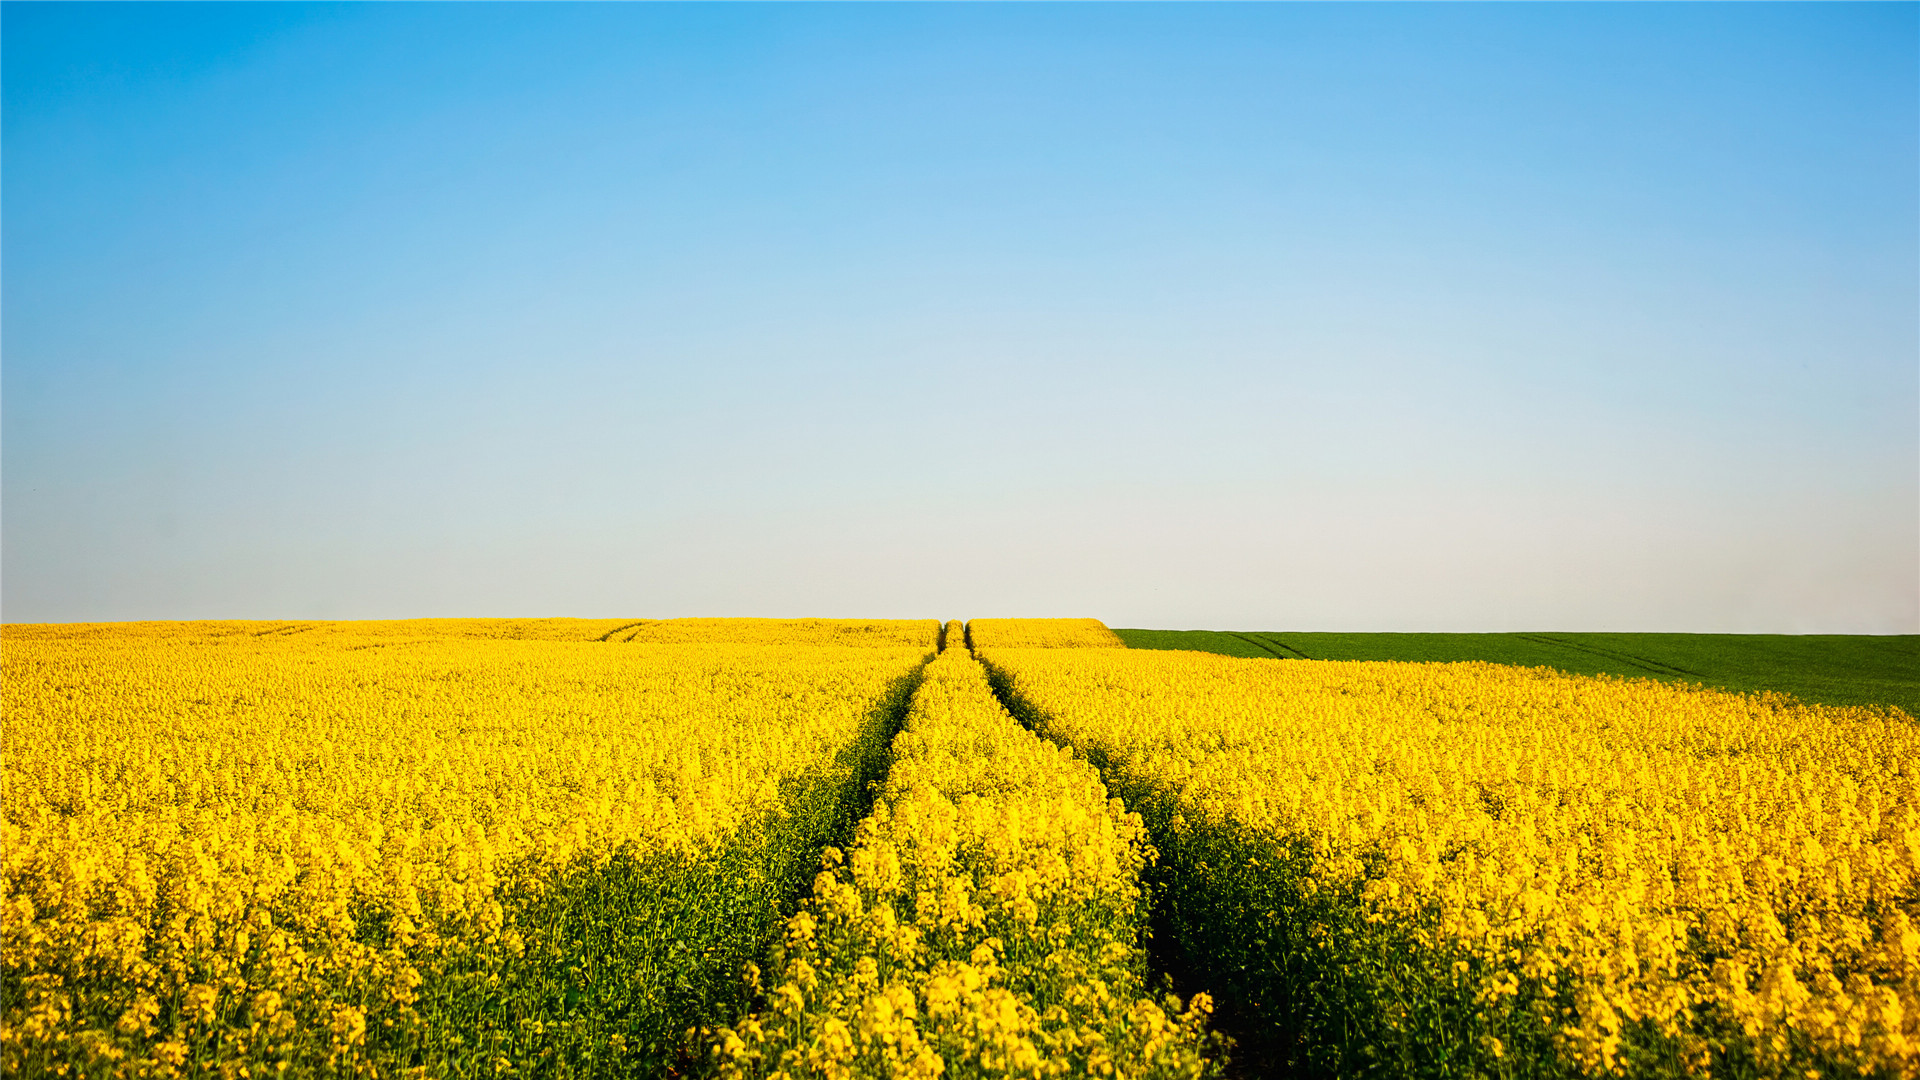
[(986, 921), (242, 849), (385, 631), (1477, 869), (1042, 634), (868, 633)]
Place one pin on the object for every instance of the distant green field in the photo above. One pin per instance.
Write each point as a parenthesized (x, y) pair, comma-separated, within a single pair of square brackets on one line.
[(1835, 669)]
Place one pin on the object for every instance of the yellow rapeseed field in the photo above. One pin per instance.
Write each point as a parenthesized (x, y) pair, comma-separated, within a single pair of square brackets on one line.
[(872, 633), (1393, 864), (1042, 634), (389, 630), (439, 845), (552, 847), (985, 923)]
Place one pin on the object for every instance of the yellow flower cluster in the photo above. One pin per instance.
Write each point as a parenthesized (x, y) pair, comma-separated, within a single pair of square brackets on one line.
[(986, 921), (1693, 869), (872, 633), (235, 848), (240, 632), (1043, 634)]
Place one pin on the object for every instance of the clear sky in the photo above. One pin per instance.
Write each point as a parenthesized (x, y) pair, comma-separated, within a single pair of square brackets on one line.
[(1367, 317)]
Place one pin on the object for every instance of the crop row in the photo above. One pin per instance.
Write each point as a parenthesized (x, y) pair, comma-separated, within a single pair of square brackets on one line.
[(987, 920), (1477, 870)]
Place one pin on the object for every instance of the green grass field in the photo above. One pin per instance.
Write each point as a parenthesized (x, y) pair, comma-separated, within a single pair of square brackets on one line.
[(1834, 669)]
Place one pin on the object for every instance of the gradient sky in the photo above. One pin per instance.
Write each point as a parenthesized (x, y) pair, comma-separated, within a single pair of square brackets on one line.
[(1368, 317)]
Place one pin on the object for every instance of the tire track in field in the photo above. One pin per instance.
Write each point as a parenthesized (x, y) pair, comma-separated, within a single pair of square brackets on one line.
[(849, 803), (1654, 666), (1166, 965), (868, 780), (1267, 646)]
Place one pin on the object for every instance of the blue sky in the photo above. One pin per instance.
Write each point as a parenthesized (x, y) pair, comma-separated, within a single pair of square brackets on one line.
[(1451, 317)]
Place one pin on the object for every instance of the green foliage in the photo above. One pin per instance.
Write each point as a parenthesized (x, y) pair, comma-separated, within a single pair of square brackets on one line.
[(1310, 985), (1832, 669), (1223, 642)]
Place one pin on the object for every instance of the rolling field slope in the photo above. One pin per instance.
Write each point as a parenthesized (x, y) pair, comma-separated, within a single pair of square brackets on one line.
[(1831, 669)]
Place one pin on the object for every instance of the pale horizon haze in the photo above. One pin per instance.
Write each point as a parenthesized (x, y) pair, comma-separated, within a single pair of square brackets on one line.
[(1451, 317)]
